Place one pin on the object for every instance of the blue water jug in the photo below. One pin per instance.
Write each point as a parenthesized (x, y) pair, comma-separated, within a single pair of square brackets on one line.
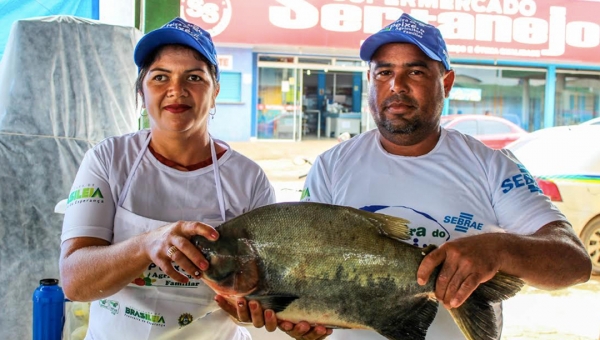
[(48, 310)]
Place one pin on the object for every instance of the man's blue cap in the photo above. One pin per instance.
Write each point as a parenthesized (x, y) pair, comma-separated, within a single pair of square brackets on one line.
[(177, 31), (408, 30)]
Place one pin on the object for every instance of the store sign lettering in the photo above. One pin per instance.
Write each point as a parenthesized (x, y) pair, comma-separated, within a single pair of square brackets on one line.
[(474, 20)]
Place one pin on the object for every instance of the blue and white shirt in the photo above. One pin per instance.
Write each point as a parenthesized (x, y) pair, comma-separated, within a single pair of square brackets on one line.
[(459, 188)]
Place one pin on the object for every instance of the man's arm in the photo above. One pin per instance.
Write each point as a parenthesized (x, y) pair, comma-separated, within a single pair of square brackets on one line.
[(551, 258)]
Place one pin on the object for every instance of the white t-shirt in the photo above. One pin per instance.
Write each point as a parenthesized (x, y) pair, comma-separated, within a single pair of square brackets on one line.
[(156, 307), (458, 189), (157, 191)]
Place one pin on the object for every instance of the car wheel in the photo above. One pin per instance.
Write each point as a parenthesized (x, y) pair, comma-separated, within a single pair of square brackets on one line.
[(591, 240)]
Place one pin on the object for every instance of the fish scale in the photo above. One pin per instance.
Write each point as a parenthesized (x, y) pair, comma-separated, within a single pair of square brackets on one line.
[(340, 267)]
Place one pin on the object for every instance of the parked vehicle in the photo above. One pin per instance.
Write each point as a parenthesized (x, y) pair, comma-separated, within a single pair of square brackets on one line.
[(593, 121), (495, 132), (565, 161)]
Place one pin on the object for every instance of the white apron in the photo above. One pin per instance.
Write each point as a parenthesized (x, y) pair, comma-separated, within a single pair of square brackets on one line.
[(154, 306)]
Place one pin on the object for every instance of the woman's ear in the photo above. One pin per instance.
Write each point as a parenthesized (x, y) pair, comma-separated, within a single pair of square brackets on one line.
[(216, 93)]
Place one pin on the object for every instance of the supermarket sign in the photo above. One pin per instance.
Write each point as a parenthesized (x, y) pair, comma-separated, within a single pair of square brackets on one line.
[(543, 30)]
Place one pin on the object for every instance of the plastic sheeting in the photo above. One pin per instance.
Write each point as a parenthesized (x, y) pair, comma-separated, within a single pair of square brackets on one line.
[(12, 10), (66, 83)]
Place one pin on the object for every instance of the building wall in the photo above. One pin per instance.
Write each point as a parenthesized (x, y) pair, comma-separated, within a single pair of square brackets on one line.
[(232, 122)]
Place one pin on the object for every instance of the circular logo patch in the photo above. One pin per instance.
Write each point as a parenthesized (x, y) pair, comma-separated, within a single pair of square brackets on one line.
[(185, 319), (212, 15)]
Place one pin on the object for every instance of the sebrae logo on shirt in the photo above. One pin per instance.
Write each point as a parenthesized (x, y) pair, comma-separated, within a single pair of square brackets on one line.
[(85, 194), (524, 179), (463, 222), (149, 318)]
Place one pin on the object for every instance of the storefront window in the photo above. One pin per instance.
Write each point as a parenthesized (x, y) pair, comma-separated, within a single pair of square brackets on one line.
[(514, 94), (314, 98), (278, 113), (577, 97)]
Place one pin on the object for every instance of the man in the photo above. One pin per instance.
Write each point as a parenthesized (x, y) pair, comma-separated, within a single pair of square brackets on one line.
[(480, 206)]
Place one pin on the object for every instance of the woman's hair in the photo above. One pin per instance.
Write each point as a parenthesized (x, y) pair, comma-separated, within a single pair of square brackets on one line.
[(151, 58)]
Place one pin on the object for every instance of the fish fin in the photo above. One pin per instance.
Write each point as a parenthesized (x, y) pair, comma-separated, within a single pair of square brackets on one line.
[(476, 317), (391, 226), (277, 303), (411, 323), (500, 287)]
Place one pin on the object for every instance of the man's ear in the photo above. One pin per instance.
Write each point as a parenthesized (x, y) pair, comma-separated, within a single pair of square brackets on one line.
[(448, 82)]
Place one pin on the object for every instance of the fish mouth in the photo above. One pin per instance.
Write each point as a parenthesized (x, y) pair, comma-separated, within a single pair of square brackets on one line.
[(200, 243)]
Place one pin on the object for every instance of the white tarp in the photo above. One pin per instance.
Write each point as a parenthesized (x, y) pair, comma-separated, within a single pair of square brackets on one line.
[(66, 83)]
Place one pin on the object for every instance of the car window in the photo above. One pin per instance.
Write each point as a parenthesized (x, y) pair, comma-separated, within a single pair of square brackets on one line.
[(468, 127), (493, 127)]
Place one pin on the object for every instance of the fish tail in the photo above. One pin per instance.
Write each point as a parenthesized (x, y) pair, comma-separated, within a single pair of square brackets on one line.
[(476, 317)]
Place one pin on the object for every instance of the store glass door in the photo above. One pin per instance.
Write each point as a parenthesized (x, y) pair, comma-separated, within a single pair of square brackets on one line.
[(279, 107)]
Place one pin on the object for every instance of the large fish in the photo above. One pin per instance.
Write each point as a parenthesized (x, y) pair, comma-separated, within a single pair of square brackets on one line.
[(340, 267)]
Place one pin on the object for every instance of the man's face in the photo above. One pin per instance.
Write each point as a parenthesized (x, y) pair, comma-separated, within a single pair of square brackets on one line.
[(406, 92)]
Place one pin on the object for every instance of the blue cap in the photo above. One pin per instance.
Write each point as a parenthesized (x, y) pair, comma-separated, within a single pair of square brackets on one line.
[(177, 31), (408, 30)]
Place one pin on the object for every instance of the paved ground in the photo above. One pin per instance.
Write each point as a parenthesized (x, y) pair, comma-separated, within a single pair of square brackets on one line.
[(283, 162), (569, 314)]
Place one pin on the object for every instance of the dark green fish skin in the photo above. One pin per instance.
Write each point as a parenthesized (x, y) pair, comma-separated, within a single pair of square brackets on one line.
[(341, 267)]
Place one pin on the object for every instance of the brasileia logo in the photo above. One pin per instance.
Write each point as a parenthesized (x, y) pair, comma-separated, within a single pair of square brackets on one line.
[(87, 193), (153, 319)]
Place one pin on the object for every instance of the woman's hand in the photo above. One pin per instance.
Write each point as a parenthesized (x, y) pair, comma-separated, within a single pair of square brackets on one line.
[(170, 248), (249, 312)]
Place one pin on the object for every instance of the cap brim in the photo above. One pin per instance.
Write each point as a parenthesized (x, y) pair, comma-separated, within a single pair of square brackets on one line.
[(165, 36), (374, 42)]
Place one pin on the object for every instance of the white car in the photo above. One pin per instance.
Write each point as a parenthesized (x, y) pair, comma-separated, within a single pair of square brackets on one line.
[(565, 161), (593, 121)]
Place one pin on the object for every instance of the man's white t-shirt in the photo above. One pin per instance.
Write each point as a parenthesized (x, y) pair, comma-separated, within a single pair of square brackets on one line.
[(460, 188), (153, 305)]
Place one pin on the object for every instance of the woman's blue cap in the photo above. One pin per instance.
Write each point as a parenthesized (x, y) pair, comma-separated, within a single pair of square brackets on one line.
[(408, 30), (177, 31)]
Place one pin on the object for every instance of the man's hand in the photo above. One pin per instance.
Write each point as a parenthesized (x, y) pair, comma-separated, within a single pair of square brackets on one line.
[(466, 263), (252, 312), (249, 312), (303, 330)]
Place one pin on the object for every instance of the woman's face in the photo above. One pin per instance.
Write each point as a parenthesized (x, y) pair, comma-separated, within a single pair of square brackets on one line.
[(178, 91)]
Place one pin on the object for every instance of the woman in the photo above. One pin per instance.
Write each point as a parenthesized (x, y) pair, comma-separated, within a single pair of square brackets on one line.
[(138, 199)]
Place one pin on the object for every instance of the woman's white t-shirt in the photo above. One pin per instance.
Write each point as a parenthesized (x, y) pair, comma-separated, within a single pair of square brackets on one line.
[(153, 306)]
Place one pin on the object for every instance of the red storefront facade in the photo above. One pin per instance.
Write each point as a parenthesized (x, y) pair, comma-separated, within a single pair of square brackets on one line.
[(535, 62)]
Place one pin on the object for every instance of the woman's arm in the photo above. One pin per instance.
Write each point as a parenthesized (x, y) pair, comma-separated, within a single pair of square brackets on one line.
[(92, 268)]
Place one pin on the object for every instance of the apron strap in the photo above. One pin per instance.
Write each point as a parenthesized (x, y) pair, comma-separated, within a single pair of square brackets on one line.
[(134, 167), (220, 195)]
